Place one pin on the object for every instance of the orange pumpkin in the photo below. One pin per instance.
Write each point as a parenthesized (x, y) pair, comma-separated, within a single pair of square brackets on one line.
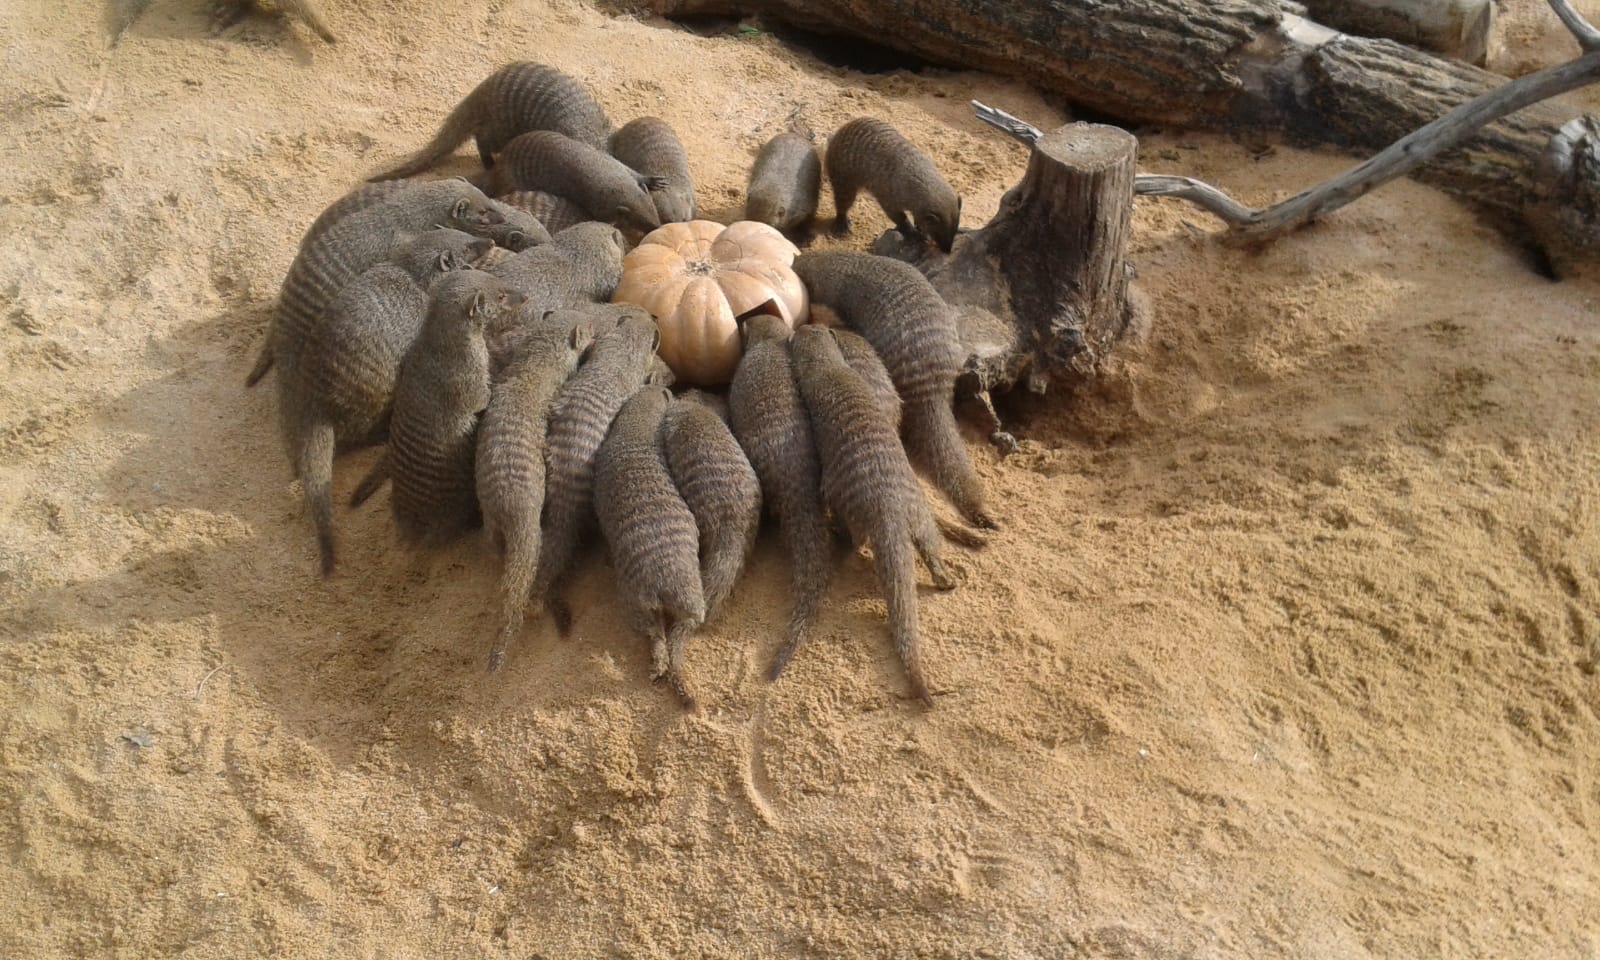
[(699, 278)]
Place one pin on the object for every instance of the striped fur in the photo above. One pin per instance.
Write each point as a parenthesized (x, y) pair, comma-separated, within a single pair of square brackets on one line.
[(769, 420), (510, 458), (353, 243), (605, 187), (556, 213), (442, 387), (913, 331), (513, 100), (715, 479), (651, 533), (615, 368), (868, 154), (867, 482), (785, 181), (650, 146)]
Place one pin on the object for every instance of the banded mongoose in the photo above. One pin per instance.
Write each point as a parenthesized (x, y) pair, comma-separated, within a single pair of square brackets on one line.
[(442, 389), (864, 360), (510, 457), (868, 154), (785, 182), (556, 213), (352, 244), (581, 266), (615, 368), (868, 483), (649, 146), (651, 533), (517, 229), (769, 419), (605, 187), (715, 479), (342, 390), (513, 100), (913, 330), (226, 13)]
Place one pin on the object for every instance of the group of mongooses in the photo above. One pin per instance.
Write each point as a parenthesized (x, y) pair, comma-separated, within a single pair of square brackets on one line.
[(473, 336)]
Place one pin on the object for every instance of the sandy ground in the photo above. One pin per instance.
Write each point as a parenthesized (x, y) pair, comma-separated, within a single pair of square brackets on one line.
[(1288, 648)]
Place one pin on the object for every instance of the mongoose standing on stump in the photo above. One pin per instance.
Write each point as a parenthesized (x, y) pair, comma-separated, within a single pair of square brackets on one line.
[(654, 545), (513, 100), (226, 13), (510, 457), (649, 146), (605, 187), (556, 213), (343, 388), (784, 182), (442, 388), (354, 243), (614, 369), (769, 419), (868, 154), (716, 480), (913, 330), (867, 482)]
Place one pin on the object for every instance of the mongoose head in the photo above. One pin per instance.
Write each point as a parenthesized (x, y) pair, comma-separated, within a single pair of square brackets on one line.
[(940, 219), (433, 252), (639, 212), (477, 297), (472, 209), (762, 327), (764, 210), (660, 374)]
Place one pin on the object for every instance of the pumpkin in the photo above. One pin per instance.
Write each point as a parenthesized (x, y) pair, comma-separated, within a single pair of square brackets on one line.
[(699, 279)]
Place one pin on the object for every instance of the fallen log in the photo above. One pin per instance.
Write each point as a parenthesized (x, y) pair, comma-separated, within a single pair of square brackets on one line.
[(1231, 64), (1455, 28)]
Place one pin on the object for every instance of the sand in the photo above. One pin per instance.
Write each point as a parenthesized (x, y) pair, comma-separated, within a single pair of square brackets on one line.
[(1288, 647)]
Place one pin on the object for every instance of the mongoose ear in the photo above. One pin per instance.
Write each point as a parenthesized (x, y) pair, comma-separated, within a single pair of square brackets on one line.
[(445, 262), (516, 240), (582, 335), (459, 211), (480, 304), (655, 340)]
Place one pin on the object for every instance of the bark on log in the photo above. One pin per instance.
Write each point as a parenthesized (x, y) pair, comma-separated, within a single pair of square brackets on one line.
[(1043, 288), (1217, 64), (1454, 28)]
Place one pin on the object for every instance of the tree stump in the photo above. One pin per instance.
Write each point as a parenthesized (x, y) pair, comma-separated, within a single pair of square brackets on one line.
[(1042, 290)]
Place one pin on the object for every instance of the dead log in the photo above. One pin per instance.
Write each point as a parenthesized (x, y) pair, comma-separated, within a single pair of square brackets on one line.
[(1219, 64), (1043, 288), (1455, 28)]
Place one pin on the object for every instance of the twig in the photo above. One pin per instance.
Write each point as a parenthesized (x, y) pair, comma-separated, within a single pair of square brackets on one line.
[(1012, 126), (1588, 37), (201, 685), (1398, 159)]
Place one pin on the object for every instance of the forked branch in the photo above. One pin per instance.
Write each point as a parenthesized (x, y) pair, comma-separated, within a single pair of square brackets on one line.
[(1399, 158)]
